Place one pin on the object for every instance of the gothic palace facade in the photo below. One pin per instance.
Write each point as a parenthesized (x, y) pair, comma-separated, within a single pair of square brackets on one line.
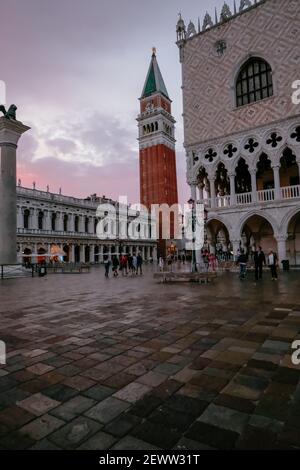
[(241, 126), (49, 223)]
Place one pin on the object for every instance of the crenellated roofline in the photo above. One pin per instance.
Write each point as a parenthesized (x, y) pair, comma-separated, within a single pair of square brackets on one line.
[(186, 34)]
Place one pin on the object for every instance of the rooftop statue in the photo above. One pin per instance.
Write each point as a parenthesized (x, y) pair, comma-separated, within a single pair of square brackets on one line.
[(10, 113), (245, 4), (226, 13)]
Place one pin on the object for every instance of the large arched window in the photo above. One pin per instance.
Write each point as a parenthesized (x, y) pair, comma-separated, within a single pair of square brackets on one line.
[(254, 82)]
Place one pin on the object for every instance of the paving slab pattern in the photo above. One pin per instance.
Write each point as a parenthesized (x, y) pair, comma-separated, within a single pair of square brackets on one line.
[(129, 363)]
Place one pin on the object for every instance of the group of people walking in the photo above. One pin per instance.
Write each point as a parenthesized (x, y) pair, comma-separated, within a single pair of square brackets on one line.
[(210, 260), (260, 260), (126, 264)]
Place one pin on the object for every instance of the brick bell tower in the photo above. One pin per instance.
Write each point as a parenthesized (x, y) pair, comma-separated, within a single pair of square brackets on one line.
[(158, 180)]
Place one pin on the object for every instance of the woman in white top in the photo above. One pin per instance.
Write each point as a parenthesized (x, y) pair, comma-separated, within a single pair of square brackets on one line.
[(272, 262)]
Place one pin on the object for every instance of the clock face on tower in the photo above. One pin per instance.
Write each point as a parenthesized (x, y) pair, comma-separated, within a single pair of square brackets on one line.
[(149, 106)]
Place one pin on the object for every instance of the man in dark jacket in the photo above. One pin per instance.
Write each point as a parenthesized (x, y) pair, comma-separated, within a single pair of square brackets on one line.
[(259, 262), (139, 263), (242, 261)]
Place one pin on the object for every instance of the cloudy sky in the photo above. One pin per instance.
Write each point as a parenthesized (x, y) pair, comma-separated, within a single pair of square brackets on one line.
[(75, 69)]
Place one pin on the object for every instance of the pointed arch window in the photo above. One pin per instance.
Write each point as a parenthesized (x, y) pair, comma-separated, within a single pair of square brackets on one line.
[(254, 82)]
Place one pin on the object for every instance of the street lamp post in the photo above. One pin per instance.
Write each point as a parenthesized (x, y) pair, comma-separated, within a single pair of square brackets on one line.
[(191, 203)]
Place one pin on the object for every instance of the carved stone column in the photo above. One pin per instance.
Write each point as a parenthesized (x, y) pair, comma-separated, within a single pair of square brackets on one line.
[(253, 185), (276, 169), (10, 133), (281, 245), (232, 189), (194, 192), (60, 221), (20, 223), (92, 253), (82, 253), (81, 224), (235, 248), (212, 191), (34, 212)]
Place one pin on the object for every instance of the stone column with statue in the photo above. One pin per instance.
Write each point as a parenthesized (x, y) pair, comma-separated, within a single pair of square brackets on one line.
[(10, 133)]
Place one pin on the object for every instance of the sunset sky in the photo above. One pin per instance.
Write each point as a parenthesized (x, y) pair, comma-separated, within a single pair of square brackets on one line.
[(76, 69)]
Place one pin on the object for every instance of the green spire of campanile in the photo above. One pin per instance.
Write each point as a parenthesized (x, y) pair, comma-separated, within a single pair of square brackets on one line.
[(154, 82)]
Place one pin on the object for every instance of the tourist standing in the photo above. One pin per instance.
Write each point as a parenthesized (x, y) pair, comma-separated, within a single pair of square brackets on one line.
[(212, 261), (124, 263), (259, 262), (130, 265), (106, 266), (161, 263), (242, 261), (273, 263), (134, 264), (205, 257), (139, 264), (115, 263)]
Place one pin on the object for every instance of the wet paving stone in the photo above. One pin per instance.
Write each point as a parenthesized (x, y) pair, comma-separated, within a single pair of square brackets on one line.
[(107, 410), (179, 421), (186, 404), (60, 392), (132, 392), (286, 376), (11, 398), (180, 366), (99, 392), (14, 417), (99, 441), (38, 404), (156, 434), (276, 401), (145, 406), (209, 382), (257, 439), (131, 443), (235, 403), (189, 444), (168, 369), (212, 435), (73, 407), (289, 438), (119, 380), (225, 418), (44, 444), (73, 434), (122, 425), (167, 388), (41, 427), (16, 441)]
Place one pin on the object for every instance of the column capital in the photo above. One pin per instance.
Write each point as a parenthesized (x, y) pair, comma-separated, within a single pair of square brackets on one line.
[(11, 131), (281, 238)]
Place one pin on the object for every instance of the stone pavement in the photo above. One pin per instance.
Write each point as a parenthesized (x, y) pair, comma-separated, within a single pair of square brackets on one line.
[(131, 364)]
